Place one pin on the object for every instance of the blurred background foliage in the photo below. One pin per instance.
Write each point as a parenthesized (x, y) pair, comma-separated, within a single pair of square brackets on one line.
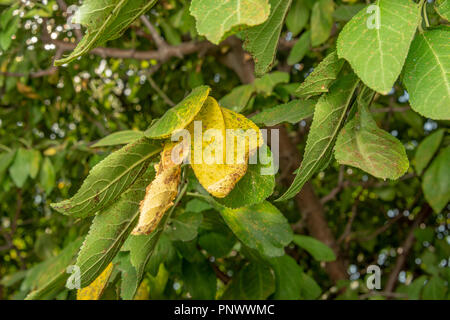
[(50, 117)]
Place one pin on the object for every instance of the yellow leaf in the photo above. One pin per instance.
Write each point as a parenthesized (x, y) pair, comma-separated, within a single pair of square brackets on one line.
[(143, 292), (26, 91), (95, 290), (160, 193), (219, 166)]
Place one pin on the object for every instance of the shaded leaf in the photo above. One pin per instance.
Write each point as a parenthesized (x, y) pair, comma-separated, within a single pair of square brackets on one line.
[(319, 250), (292, 112), (184, 226), (297, 17), (300, 49), (120, 137), (427, 149), (20, 169), (47, 177), (199, 279), (321, 21)]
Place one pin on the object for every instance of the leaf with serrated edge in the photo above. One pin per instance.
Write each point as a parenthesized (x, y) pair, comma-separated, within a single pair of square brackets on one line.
[(329, 116), (120, 137), (262, 41), (292, 112), (180, 116), (105, 20), (427, 74), (363, 145), (322, 77), (110, 228), (220, 18), (109, 178), (376, 54), (95, 290)]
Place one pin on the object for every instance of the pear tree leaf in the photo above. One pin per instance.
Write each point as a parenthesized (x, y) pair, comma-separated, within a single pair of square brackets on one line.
[(427, 74), (443, 8), (322, 77), (297, 17), (321, 21), (377, 39), (319, 250), (260, 226), (329, 116), (105, 20), (117, 138), (292, 112), (109, 178), (180, 116), (95, 290), (218, 19), (261, 41), (427, 149), (300, 49), (363, 145)]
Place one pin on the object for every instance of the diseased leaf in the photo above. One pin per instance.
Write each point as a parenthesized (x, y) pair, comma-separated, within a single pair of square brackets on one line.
[(297, 16), (436, 181), (322, 77), (160, 193), (105, 20), (221, 18), (300, 49), (329, 116), (426, 150), (319, 250), (120, 137), (261, 227), (292, 112), (180, 116), (377, 51), (427, 74), (363, 145), (109, 178), (321, 21), (95, 290), (219, 167), (261, 41), (109, 229)]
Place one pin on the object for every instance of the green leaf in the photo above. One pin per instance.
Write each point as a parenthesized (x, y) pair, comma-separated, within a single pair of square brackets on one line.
[(427, 74), (238, 98), (47, 178), (5, 161), (261, 227), (219, 19), (255, 281), (255, 186), (216, 244), (347, 12), (414, 289), (196, 205), (288, 275), (110, 228), (199, 279), (435, 289), (300, 49), (105, 20), (320, 80), (321, 21), (427, 149), (310, 290), (120, 137), (180, 116), (436, 181), (292, 112), (298, 16), (109, 178), (184, 227), (329, 116), (20, 169), (319, 250), (377, 52), (262, 41), (443, 8), (268, 82), (129, 281), (363, 145)]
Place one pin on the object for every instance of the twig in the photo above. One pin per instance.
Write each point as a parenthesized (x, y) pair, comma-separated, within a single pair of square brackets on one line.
[(160, 92)]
